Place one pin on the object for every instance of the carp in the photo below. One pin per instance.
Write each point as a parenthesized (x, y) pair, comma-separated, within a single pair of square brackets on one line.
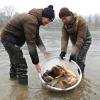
[(60, 77)]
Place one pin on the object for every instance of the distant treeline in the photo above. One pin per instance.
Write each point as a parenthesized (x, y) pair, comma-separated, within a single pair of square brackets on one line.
[(8, 12), (93, 22)]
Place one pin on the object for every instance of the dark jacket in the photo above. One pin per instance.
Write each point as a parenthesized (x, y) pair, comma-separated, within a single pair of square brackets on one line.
[(25, 27), (78, 33)]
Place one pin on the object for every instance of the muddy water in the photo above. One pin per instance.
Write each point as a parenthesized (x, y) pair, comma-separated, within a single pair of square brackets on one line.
[(89, 88)]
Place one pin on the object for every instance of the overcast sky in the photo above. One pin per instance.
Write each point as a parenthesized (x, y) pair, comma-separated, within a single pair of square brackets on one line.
[(83, 7)]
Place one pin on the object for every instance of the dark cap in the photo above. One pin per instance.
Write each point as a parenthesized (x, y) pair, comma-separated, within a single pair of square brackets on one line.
[(65, 12), (49, 12)]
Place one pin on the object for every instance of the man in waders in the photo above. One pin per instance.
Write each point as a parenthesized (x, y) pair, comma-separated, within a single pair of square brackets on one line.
[(25, 28), (75, 28)]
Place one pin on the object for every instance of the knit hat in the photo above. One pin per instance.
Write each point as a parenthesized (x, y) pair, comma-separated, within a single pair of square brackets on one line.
[(49, 12), (65, 12)]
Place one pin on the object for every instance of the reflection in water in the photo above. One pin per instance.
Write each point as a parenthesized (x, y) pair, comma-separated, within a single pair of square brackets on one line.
[(82, 92), (88, 89), (79, 93), (18, 92)]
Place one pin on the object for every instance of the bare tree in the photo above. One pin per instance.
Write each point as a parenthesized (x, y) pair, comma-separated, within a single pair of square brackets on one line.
[(5, 15), (97, 20), (9, 10)]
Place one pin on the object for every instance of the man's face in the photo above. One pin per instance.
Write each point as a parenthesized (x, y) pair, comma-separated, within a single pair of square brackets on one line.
[(46, 20), (66, 19)]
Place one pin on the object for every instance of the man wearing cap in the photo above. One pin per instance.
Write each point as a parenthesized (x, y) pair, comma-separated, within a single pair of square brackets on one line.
[(25, 28), (75, 28)]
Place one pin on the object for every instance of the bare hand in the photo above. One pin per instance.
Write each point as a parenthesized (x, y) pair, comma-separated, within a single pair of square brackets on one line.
[(38, 68)]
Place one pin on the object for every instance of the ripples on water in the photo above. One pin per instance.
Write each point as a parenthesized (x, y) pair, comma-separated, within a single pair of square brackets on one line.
[(89, 88)]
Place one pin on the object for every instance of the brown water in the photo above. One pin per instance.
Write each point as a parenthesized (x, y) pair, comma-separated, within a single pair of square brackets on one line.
[(89, 88)]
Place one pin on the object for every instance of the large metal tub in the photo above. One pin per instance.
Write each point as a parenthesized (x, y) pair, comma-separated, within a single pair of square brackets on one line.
[(57, 61)]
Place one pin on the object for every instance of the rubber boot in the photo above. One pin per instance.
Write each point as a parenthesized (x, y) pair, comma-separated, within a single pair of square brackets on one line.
[(13, 74), (23, 80), (13, 77), (82, 67)]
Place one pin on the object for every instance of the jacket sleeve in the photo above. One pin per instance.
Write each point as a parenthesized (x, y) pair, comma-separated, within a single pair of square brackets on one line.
[(30, 32), (64, 39), (39, 42), (82, 31)]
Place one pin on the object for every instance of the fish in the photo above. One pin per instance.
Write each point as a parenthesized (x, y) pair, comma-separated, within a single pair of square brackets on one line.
[(60, 77)]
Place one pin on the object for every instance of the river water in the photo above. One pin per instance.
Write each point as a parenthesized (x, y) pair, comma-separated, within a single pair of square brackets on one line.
[(88, 89)]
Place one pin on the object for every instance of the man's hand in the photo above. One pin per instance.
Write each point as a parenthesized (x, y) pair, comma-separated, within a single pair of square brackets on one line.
[(73, 57), (38, 67), (62, 54)]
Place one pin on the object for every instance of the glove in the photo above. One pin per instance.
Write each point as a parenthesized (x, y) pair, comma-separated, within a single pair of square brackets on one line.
[(62, 54), (73, 57)]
